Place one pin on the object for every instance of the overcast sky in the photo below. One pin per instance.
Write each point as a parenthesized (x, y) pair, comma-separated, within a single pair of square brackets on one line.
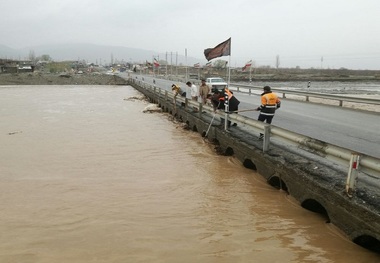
[(345, 33)]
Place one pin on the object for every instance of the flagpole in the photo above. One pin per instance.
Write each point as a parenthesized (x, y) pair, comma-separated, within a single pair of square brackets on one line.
[(229, 70), (226, 96), (250, 70), (152, 64), (223, 49)]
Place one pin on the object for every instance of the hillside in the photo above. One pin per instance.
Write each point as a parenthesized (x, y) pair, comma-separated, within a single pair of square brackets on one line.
[(92, 53)]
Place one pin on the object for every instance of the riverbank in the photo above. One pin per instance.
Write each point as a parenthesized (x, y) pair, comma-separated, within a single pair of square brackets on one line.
[(60, 79), (292, 74)]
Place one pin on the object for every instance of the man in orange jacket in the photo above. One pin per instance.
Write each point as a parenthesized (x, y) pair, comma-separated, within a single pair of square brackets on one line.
[(269, 103)]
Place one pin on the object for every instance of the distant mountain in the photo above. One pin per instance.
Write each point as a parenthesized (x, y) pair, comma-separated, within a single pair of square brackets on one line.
[(9, 53), (92, 53)]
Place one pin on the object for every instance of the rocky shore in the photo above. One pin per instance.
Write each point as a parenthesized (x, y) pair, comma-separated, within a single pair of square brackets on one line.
[(61, 79)]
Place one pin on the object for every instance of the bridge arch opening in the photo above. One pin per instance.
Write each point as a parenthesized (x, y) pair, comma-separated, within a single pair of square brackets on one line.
[(195, 128), (229, 151), (278, 183), (316, 207), (249, 164), (368, 242)]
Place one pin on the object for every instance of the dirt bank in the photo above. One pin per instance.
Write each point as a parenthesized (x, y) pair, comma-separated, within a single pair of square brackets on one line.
[(60, 79)]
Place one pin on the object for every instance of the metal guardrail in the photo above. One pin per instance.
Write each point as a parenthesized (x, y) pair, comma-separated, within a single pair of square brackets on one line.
[(350, 159), (237, 87)]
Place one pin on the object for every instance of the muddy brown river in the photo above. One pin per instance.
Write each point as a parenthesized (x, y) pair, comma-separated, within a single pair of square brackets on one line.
[(86, 176)]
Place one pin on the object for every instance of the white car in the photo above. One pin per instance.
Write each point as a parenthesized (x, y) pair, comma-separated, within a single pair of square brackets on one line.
[(216, 83)]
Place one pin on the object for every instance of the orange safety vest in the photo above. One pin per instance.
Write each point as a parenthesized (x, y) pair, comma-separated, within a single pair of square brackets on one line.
[(269, 103), (229, 93)]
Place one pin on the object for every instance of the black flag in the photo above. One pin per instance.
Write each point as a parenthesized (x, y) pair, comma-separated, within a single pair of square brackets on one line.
[(223, 49)]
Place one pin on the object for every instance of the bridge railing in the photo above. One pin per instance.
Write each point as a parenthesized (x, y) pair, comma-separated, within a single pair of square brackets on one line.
[(353, 161)]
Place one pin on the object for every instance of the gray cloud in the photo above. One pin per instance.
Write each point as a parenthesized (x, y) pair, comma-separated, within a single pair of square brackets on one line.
[(346, 33)]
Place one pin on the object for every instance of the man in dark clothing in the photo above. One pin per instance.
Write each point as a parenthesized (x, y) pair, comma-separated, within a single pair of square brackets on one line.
[(218, 99)]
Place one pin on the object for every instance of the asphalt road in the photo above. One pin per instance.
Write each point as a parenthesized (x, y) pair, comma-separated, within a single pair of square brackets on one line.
[(352, 129)]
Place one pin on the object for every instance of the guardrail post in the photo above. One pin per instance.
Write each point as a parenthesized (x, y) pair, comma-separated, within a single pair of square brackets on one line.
[(307, 98), (166, 95), (237, 89), (341, 103), (175, 105), (200, 109), (158, 96), (352, 174), (250, 91), (186, 102), (266, 138), (283, 95)]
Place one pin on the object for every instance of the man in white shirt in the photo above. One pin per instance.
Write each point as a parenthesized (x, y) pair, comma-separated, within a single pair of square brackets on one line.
[(193, 91)]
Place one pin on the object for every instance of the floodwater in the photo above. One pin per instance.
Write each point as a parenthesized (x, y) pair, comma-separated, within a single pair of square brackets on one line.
[(86, 176)]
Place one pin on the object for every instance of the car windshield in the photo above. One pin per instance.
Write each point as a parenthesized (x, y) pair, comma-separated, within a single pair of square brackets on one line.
[(217, 80)]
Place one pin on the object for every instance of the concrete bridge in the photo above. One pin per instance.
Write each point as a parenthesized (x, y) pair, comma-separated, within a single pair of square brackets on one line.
[(315, 182)]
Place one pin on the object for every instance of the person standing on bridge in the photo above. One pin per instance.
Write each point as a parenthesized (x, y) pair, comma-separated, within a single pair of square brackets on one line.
[(269, 103), (204, 90), (193, 91)]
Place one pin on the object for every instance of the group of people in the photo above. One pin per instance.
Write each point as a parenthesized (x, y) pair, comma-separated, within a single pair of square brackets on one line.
[(202, 93), (195, 93), (269, 100)]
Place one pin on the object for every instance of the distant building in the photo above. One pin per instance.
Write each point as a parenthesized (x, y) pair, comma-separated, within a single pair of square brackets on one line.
[(14, 66)]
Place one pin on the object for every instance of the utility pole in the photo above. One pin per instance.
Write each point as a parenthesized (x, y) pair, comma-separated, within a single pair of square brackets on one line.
[(321, 62), (176, 64), (166, 59), (186, 77), (171, 62)]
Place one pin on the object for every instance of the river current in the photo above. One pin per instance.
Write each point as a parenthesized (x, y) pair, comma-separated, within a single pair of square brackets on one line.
[(86, 176)]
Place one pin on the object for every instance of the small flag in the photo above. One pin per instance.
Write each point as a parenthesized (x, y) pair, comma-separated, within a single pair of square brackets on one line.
[(209, 65), (223, 49), (197, 65), (247, 65), (148, 64), (155, 62)]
